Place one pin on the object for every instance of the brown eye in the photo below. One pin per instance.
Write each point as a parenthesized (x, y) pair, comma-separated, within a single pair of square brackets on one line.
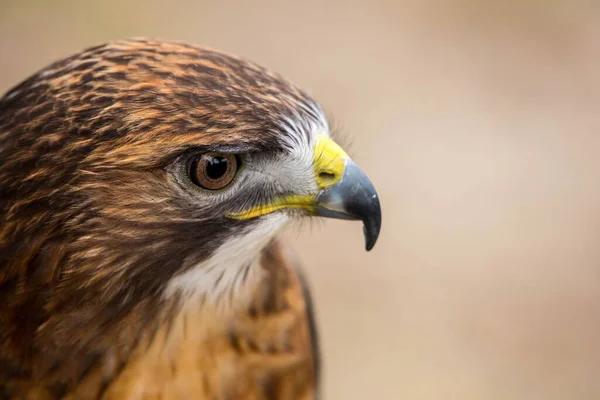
[(213, 171)]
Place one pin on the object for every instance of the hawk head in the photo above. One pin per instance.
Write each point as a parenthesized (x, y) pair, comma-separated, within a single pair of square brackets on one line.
[(141, 171)]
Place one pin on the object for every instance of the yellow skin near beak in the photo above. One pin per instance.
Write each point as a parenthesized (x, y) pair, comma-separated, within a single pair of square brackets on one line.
[(329, 161)]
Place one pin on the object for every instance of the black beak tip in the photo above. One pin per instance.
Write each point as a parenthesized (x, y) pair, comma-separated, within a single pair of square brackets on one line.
[(369, 240), (371, 228)]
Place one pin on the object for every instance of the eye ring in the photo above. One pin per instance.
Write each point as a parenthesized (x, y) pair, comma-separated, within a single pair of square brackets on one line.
[(213, 171)]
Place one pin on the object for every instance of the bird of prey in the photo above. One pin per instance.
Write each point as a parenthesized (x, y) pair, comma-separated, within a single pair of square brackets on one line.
[(142, 187)]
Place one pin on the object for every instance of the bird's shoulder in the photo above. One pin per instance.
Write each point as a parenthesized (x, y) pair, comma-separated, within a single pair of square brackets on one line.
[(267, 350)]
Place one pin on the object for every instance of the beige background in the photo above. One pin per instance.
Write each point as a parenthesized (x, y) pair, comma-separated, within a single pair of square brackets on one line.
[(477, 121)]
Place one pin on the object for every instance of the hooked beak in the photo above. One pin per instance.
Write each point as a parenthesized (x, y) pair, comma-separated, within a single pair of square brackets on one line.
[(345, 192), (354, 197)]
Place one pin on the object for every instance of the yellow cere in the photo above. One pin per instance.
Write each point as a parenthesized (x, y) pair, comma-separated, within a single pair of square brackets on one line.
[(329, 162)]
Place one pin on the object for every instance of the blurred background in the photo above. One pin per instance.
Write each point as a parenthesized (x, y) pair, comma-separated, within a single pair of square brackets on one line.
[(478, 121)]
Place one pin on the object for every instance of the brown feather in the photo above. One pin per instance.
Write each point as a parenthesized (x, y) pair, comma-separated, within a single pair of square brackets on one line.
[(266, 351)]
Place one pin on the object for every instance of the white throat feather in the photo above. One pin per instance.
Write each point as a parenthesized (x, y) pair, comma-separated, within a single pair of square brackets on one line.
[(226, 280)]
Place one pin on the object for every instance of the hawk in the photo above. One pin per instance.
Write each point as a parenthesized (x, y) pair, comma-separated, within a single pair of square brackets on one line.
[(142, 187)]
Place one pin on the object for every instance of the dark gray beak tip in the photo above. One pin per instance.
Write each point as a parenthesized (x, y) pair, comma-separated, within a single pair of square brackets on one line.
[(369, 239), (371, 227), (368, 210)]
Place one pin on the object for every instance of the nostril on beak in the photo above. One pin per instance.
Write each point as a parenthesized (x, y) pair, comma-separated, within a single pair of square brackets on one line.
[(326, 177)]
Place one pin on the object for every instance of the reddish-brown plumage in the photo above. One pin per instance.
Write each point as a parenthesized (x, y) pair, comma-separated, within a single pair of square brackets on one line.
[(92, 228)]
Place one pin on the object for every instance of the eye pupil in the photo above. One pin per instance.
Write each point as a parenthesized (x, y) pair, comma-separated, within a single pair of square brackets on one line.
[(216, 167)]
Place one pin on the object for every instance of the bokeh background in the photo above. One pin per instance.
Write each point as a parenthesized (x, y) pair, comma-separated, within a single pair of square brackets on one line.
[(478, 121)]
